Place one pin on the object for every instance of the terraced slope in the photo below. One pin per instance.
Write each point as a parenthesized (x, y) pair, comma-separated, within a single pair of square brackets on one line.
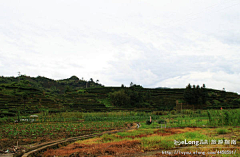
[(28, 94), (15, 98)]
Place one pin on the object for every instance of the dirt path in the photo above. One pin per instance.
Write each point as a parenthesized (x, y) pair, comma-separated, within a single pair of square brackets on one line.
[(43, 146)]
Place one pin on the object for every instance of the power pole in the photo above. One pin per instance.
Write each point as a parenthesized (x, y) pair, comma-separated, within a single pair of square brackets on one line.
[(181, 107), (19, 76)]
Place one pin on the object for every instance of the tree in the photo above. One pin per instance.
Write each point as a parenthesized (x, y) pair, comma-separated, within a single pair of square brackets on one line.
[(24, 99), (195, 95), (203, 94), (148, 96), (136, 97), (131, 84), (74, 78), (188, 94), (67, 89), (18, 115), (120, 98), (189, 86), (203, 86)]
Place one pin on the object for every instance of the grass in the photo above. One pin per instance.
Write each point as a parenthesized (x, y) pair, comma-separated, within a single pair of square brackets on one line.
[(150, 137), (222, 131), (156, 142), (137, 132), (151, 140), (106, 102), (155, 139)]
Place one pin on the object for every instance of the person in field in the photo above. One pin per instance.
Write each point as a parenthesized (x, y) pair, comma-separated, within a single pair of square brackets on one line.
[(148, 122)]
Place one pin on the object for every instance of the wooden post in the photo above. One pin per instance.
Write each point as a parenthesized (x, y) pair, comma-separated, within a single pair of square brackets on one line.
[(181, 107)]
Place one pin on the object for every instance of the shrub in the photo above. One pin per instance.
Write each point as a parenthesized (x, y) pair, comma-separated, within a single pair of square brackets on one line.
[(107, 138), (186, 111), (222, 131), (160, 112), (162, 121), (216, 102), (208, 103), (157, 112), (199, 111), (173, 112), (227, 118), (209, 117), (148, 122), (165, 113), (120, 98)]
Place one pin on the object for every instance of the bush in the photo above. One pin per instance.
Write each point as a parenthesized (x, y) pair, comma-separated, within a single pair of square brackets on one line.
[(227, 118), (173, 112), (208, 104), (157, 112), (160, 112), (209, 117), (6, 120), (162, 121), (216, 102), (222, 131), (148, 122), (120, 98), (199, 111), (186, 111), (107, 138)]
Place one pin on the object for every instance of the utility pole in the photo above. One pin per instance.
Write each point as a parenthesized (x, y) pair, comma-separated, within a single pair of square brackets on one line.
[(181, 107), (19, 76)]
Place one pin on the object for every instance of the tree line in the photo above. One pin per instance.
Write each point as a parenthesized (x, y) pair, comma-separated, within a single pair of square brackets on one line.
[(130, 97), (195, 95)]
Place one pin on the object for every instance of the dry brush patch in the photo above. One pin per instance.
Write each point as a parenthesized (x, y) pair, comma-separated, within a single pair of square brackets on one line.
[(111, 148), (135, 142), (181, 130), (114, 144)]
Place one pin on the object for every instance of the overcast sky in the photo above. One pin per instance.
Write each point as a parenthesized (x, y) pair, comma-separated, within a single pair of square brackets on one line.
[(154, 43)]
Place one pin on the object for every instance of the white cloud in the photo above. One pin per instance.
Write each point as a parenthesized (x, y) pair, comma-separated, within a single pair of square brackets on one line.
[(152, 43), (216, 80)]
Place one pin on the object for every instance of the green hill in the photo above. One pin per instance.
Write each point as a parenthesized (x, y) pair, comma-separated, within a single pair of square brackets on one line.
[(29, 95)]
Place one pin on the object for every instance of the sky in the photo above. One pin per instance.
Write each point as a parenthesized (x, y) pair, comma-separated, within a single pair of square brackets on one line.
[(153, 43)]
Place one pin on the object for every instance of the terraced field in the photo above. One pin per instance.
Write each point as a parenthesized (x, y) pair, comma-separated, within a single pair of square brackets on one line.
[(155, 143)]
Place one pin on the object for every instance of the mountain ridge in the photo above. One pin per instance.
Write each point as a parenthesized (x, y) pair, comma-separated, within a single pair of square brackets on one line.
[(34, 94)]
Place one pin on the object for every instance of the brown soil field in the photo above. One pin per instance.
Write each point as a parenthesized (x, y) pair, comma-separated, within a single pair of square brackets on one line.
[(122, 148)]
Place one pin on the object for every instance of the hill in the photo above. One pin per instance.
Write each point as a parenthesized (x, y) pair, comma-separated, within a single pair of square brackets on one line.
[(29, 95)]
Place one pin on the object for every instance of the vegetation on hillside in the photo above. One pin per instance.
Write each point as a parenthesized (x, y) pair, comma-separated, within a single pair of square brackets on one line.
[(29, 95)]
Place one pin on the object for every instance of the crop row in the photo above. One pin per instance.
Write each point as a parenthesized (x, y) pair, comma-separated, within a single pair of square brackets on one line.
[(54, 130)]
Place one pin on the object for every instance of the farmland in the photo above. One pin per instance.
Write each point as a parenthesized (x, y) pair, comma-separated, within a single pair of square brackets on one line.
[(53, 127), (143, 142), (35, 111), (147, 138), (155, 139)]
